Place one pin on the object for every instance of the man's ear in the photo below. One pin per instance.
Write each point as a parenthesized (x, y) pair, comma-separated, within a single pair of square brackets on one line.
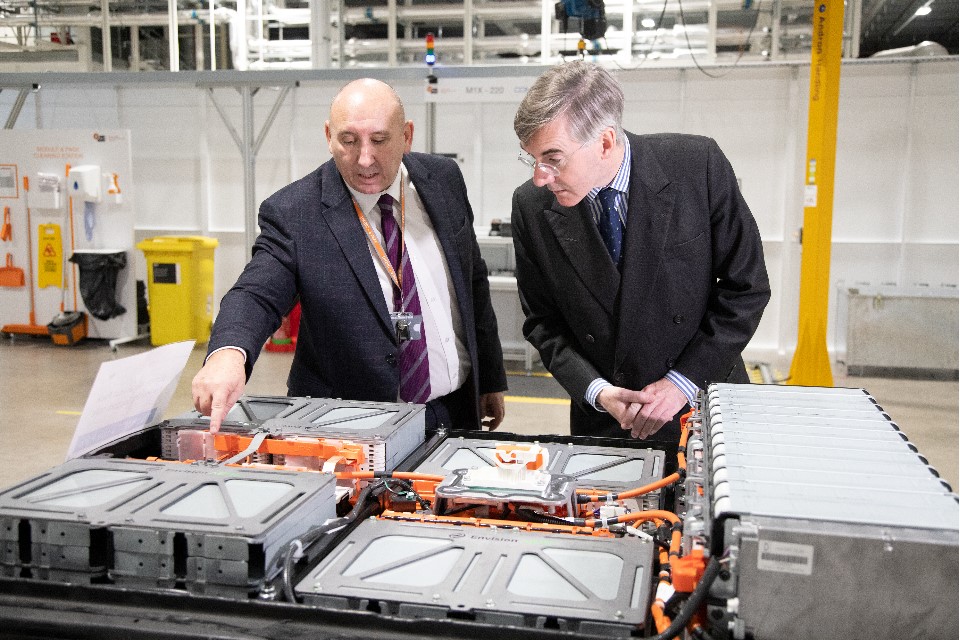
[(608, 142), (407, 136)]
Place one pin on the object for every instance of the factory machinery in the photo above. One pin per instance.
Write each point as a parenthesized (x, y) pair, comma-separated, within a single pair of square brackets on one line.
[(788, 513)]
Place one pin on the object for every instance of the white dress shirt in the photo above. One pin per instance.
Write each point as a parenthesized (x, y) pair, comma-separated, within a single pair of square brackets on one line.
[(448, 357)]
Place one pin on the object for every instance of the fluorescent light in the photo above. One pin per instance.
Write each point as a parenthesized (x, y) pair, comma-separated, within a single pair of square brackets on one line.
[(648, 23), (924, 10)]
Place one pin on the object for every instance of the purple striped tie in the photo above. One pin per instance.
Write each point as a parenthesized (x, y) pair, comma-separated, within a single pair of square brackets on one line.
[(414, 365)]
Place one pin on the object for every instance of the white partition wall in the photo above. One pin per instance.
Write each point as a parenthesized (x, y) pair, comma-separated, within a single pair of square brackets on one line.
[(896, 203)]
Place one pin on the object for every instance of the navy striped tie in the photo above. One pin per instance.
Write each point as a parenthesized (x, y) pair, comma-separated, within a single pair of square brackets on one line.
[(414, 365), (611, 229)]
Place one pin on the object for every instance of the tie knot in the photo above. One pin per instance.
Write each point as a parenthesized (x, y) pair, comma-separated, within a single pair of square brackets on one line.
[(386, 203), (608, 195)]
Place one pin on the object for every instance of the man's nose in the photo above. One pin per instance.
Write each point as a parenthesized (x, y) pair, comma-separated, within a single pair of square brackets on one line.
[(366, 155), (542, 178)]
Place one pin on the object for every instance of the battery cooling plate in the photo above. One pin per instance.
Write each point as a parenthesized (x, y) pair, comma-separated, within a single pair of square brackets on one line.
[(494, 575), (210, 529)]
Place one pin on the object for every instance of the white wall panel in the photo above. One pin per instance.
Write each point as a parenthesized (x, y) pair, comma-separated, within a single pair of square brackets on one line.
[(872, 133), (896, 189), (931, 202)]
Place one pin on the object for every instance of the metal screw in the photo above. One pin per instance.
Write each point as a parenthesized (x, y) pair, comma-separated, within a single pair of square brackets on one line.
[(267, 592)]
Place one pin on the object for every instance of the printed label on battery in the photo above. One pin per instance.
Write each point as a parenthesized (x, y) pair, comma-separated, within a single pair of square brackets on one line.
[(785, 557), (166, 273)]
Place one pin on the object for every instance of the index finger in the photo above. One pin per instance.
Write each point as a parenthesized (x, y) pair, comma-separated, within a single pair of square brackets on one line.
[(218, 411)]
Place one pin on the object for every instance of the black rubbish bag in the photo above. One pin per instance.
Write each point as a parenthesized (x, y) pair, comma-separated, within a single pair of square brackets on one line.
[(98, 282)]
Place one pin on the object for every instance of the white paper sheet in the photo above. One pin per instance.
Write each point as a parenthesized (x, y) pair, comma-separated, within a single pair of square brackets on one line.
[(129, 394)]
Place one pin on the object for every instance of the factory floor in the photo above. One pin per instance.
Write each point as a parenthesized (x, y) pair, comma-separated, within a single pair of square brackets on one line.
[(43, 388)]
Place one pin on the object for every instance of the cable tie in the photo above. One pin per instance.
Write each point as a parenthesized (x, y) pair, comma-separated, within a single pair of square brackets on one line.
[(603, 523), (298, 552), (643, 535)]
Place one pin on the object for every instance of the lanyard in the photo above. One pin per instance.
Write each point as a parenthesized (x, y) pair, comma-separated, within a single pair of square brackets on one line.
[(395, 277)]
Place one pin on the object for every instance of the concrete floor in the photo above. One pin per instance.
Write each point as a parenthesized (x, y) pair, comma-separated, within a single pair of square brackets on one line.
[(43, 388)]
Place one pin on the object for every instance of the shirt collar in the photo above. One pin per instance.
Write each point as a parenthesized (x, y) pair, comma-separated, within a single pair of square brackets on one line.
[(621, 181), (368, 201)]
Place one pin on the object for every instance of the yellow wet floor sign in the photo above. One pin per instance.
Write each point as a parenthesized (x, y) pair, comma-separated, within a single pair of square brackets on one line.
[(49, 256)]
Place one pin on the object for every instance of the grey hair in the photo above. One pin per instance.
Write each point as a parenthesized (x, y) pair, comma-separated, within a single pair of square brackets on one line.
[(586, 93)]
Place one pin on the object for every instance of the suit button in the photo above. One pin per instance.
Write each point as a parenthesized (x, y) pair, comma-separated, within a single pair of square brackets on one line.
[(391, 359), (677, 319), (670, 364), (589, 338)]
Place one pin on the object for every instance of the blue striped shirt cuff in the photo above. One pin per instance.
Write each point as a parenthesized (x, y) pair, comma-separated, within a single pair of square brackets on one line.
[(593, 390), (686, 387)]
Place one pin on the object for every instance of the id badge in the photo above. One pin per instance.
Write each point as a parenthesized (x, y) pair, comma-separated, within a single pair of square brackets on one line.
[(407, 325)]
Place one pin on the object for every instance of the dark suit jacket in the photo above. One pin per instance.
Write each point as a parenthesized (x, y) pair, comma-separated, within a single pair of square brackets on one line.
[(691, 289), (311, 245)]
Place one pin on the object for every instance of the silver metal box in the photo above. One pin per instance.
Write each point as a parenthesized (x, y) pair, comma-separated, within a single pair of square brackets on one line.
[(832, 525)]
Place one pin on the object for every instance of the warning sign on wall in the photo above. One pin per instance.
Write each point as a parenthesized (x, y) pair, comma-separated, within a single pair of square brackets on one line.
[(49, 256)]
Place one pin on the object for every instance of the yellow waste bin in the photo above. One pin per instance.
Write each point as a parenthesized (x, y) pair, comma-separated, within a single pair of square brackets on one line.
[(179, 287)]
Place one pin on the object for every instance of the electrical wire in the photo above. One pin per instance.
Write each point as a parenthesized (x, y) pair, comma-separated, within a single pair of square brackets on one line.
[(693, 603), (296, 547), (407, 487), (743, 48), (656, 35)]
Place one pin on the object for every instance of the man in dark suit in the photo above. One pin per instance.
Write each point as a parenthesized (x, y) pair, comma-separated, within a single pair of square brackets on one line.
[(639, 264), (378, 246)]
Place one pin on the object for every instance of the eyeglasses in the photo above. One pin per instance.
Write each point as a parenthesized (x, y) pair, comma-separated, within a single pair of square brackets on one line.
[(552, 170)]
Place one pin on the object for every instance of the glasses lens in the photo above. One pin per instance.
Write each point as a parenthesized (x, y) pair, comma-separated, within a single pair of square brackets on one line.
[(527, 160), (548, 169)]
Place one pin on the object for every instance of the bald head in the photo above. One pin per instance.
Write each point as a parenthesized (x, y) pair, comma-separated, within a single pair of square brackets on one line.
[(367, 134), (362, 94)]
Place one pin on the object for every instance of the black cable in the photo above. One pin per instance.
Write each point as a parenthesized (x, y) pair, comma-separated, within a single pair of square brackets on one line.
[(407, 487), (746, 43), (656, 35), (693, 603), (539, 516), (312, 535)]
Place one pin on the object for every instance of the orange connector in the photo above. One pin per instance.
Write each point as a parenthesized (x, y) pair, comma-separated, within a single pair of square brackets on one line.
[(688, 570)]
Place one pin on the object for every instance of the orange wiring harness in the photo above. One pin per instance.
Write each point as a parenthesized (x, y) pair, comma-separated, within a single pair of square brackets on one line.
[(676, 573)]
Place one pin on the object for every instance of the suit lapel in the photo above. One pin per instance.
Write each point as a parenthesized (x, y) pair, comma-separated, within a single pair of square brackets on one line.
[(341, 217), (437, 205), (652, 199), (580, 241)]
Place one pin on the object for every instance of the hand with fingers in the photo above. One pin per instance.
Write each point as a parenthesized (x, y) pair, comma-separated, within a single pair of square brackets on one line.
[(492, 406), (218, 385), (643, 412)]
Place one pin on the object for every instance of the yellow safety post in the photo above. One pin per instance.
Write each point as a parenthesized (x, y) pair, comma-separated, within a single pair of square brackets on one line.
[(811, 364)]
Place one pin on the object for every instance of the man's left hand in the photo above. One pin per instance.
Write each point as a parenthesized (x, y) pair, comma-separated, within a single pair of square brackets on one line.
[(659, 402), (491, 406)]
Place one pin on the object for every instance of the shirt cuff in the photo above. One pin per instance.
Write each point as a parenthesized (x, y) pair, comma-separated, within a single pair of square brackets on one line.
[(593, 391), (241, 350), (686, 387)]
